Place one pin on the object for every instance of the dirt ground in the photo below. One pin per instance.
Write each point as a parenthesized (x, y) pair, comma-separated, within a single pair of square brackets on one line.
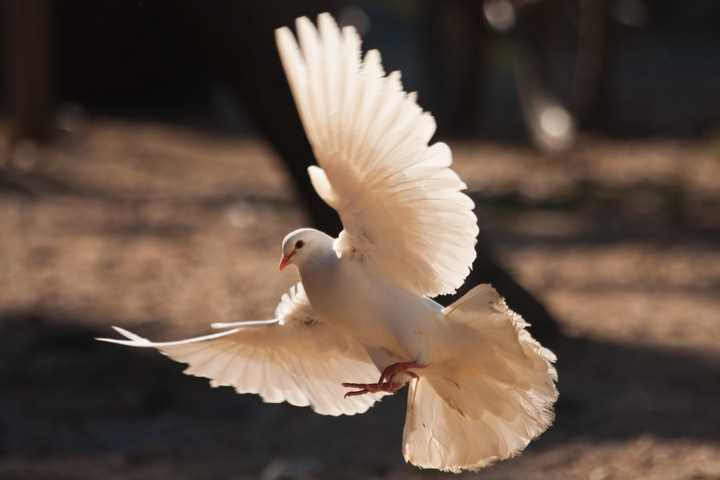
[(164, 230)]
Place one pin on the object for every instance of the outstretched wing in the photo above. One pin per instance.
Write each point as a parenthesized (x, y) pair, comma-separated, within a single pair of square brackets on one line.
[(293, 359), (401, 205)]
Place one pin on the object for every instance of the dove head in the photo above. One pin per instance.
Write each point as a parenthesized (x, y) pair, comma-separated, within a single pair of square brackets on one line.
[(301, 245)]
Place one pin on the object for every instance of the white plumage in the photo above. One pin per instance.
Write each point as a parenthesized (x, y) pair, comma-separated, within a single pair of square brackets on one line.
[(480, 386)]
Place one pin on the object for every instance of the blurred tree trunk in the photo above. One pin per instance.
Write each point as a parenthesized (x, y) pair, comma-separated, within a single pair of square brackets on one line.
[(590, 92), (28, 68), (453, 32), (236, 38)]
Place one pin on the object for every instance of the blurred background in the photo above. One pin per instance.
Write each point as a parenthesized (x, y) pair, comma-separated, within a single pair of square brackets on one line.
[(151, 161)]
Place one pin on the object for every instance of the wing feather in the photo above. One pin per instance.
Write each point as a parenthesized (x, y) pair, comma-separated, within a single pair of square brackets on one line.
[(402, 208), (294, 359)]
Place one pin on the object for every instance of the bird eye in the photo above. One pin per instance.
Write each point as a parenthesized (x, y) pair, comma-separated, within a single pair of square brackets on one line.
[(299, 244)]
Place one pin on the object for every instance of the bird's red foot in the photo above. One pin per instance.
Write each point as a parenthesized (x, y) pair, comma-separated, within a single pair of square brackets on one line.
[(386, 383), (363, 388)]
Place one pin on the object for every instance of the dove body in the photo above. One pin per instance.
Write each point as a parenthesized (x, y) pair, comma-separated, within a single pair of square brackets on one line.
[(393, 324)]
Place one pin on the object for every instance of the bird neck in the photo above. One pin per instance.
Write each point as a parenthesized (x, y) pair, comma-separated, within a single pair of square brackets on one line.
[(322, 261), (318, 272)]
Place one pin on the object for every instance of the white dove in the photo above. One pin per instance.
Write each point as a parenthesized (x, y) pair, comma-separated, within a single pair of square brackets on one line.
[(360, 324)]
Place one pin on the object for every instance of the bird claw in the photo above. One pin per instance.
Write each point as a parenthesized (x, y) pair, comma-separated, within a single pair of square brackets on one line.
[(385, 384), (363, 388)]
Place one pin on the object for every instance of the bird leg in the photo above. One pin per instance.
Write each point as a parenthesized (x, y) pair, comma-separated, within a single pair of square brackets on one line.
[(399, 367), (386, 383), (364, 388)]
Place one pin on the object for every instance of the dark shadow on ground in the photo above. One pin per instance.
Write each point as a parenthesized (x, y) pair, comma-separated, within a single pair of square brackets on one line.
[(64, 394)]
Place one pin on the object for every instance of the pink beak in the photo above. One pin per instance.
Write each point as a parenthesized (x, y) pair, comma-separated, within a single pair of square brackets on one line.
[(285, 261)]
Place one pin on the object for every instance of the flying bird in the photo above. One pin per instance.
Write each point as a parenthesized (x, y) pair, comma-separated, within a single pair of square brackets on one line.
[(361, 323)]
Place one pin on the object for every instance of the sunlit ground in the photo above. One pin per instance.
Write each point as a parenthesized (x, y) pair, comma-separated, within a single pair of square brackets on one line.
[(164, 230)]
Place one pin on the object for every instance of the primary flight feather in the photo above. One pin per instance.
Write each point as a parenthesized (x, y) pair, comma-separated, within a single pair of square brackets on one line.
[(360, 324)]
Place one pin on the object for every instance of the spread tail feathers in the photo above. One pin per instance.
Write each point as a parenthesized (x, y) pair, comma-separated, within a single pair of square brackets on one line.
[(490, 402)]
